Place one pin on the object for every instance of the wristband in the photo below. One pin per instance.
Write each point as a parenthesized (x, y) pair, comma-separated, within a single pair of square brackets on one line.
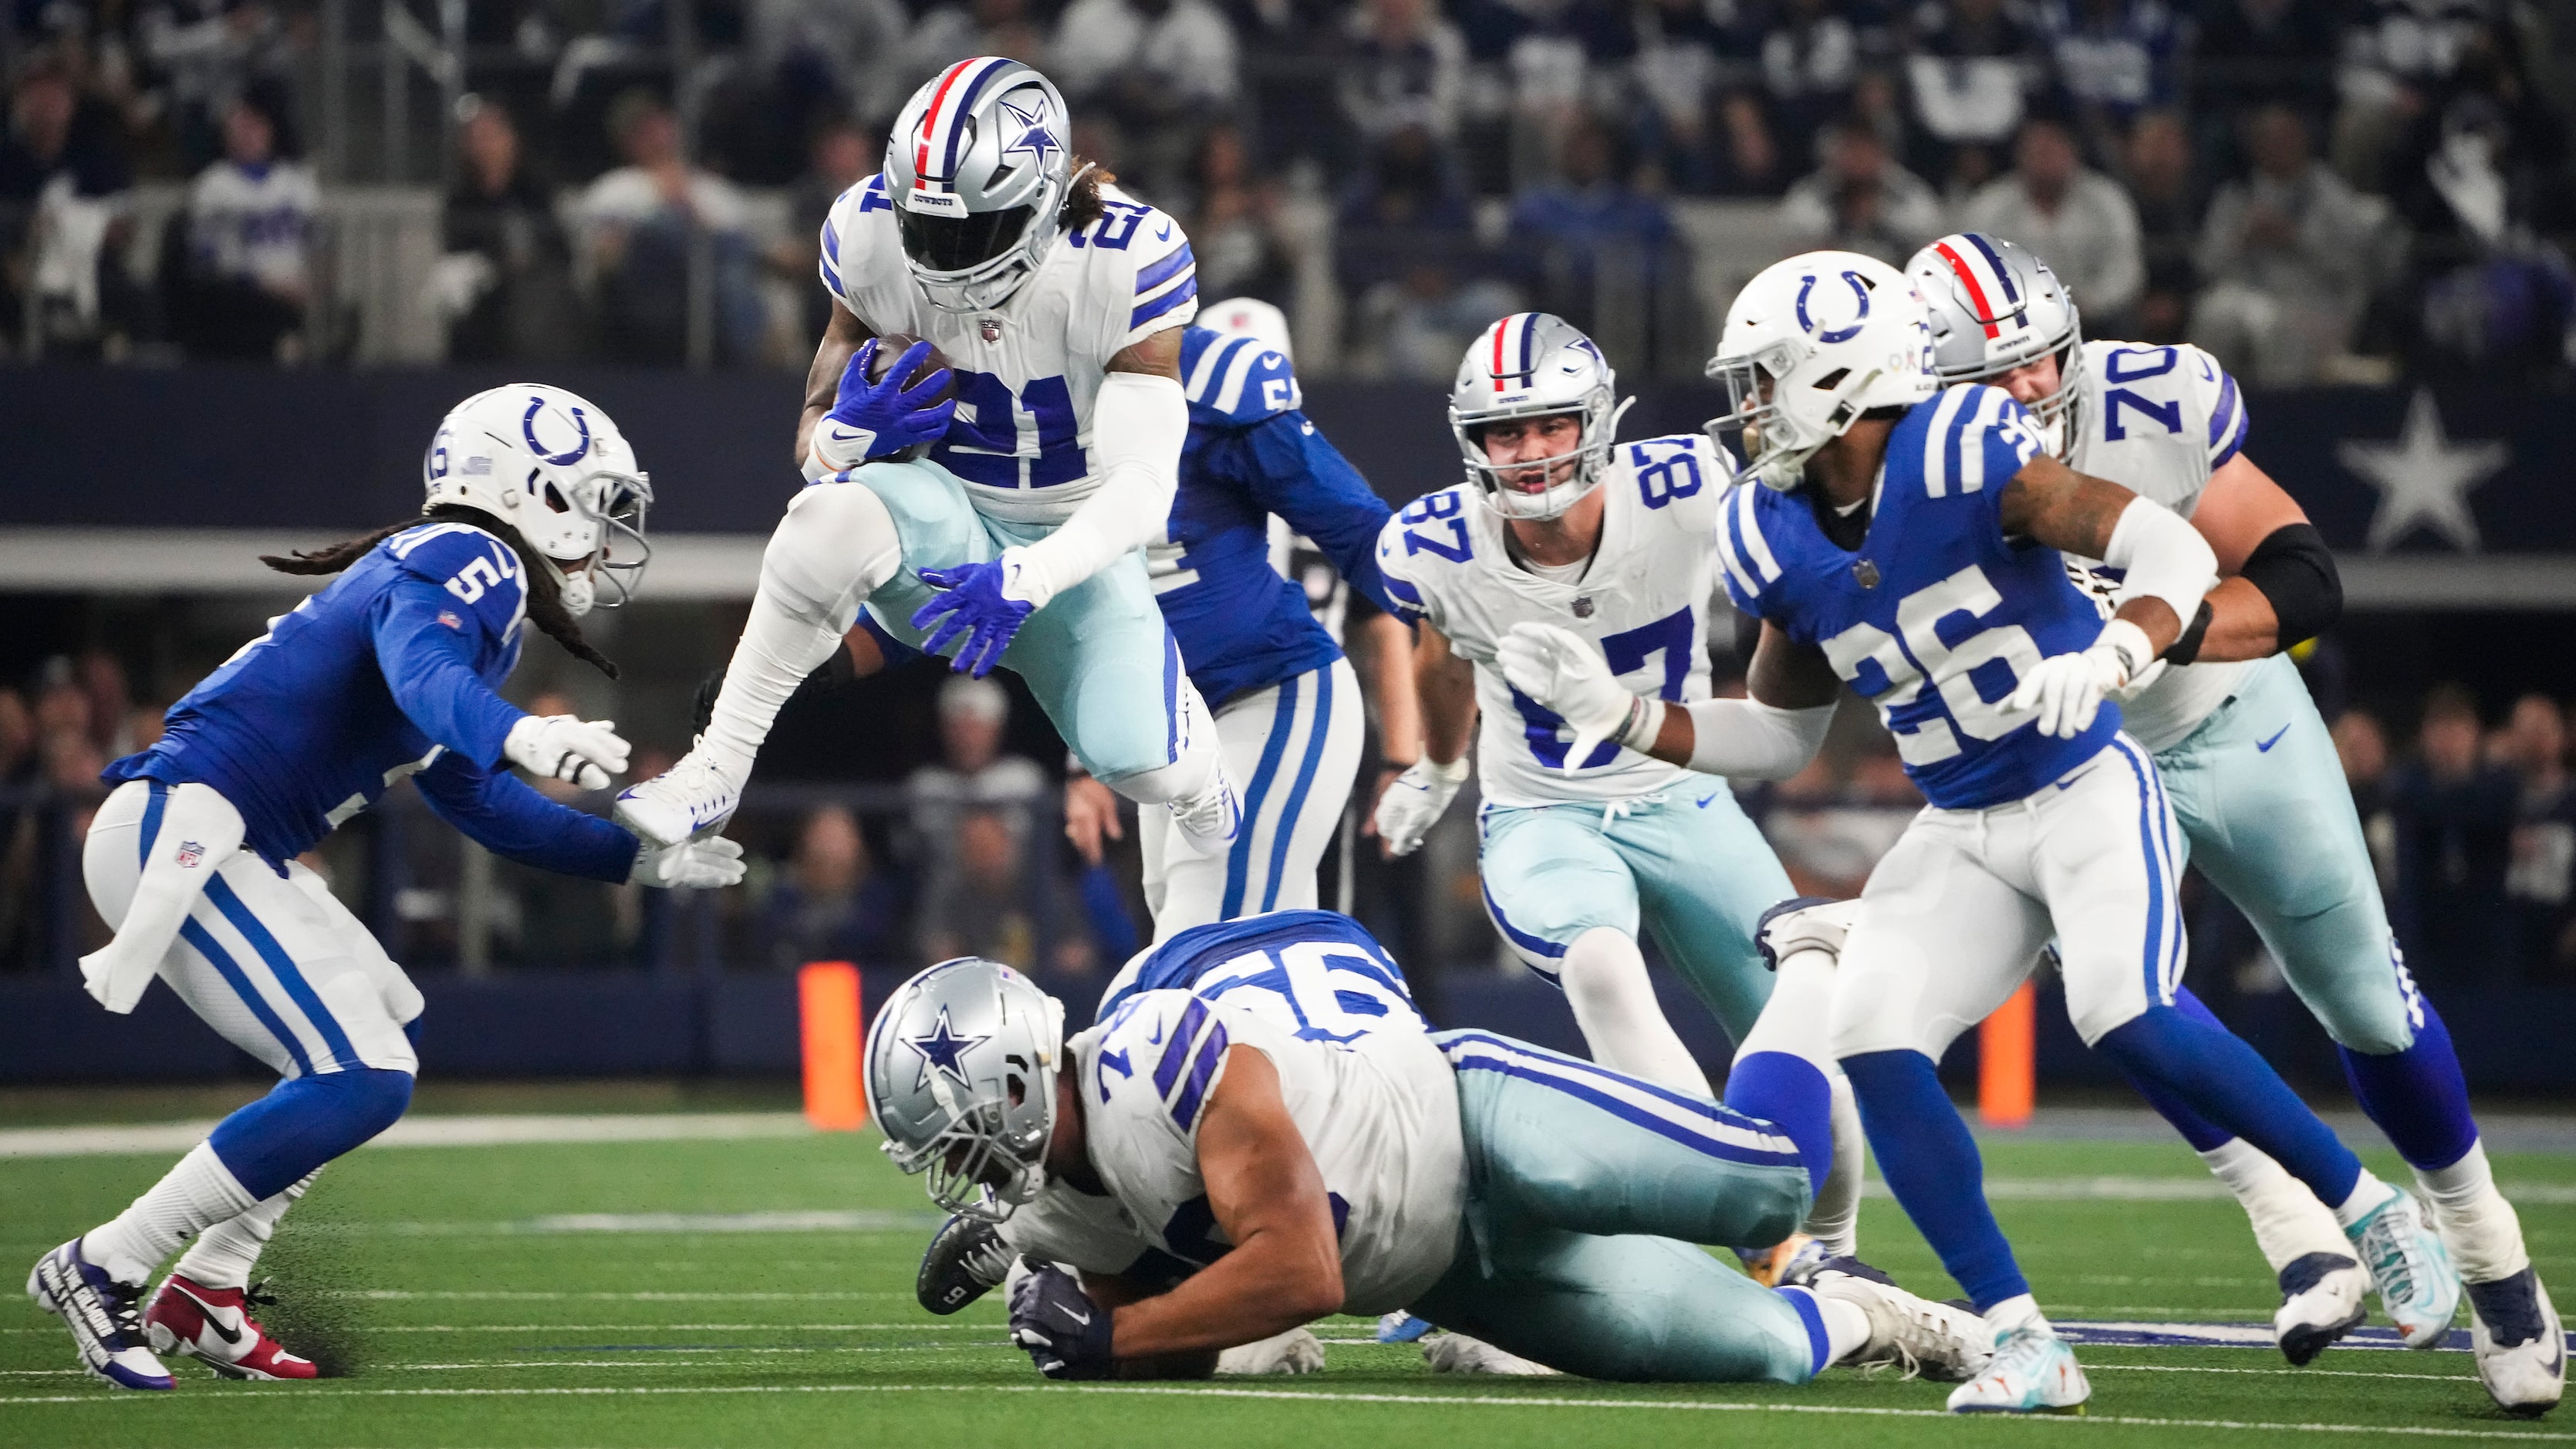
[(1645, 722), (2186, 646), (2130, 643)]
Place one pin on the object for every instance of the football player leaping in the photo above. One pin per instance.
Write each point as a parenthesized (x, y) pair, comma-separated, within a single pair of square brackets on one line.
[(1557, 522), (1908, 540), (2260, 796), (1265, 1132), (388, 672), (1016, 540)]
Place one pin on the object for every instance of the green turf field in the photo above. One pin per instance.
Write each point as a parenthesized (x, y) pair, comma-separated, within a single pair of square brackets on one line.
[(529, 1295)]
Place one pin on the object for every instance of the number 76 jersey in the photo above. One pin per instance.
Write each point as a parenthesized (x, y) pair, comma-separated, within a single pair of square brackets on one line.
[(1644, 602)]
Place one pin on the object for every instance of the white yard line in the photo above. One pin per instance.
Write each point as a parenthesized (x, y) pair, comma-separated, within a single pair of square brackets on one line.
[(486, 1130)]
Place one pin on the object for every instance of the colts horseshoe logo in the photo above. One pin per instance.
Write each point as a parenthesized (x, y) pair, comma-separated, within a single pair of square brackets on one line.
[(1859, 288), (528, 430)]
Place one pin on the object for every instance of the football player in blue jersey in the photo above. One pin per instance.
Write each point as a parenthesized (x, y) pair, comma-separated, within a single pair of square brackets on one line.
[(535, 502), (2259, 793), (1910, 541)]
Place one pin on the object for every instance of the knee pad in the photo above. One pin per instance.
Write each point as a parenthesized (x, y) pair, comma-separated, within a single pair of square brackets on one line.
[(305, 1122), (837, 544)]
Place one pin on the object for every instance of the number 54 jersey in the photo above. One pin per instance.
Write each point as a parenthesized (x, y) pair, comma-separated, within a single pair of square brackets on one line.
[(1644, 601)]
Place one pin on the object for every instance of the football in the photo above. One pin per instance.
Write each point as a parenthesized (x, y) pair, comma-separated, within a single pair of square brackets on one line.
[(890, 348)]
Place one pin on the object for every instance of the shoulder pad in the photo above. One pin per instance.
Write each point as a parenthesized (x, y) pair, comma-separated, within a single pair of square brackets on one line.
[(479, 570), (1234, 381), (1161, 1051), (1141, 261)]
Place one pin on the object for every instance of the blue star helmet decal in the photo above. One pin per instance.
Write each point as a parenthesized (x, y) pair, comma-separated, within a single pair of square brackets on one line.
[(941, 1049), (1035, 138)]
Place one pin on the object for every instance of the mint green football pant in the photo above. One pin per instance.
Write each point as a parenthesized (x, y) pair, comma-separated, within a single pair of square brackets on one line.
[(1098, 657), (1587, 1193), (1689, 864), (2268, 818)]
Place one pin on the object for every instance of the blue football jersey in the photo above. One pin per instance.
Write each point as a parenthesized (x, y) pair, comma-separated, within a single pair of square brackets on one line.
[(1935, 594), (389, 672), (1326, 976)]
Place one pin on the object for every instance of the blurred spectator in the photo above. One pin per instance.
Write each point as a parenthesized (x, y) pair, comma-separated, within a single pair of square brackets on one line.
[(2076, 219), (63, 222), (1406, 253), (1234, 226), (638, 223), (2114, 58), (2286, 254), (985, 904), (2541, 878), (2253, 53), (1861, 200), (504, 283), (1587, 214), (839, 156), (837, 57), (2455, 816), (210, 52), (973, 771), (2397, 56), (246, 279), (111, 703), (2161, 186), (1554, 64), (956, 31), (2361, 745), (1813, 52), (1162, 68), (1407, 68), (832, 904), (1969, 67)]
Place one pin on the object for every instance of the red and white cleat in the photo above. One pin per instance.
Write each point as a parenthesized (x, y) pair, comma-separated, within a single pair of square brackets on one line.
[(214, 1324)]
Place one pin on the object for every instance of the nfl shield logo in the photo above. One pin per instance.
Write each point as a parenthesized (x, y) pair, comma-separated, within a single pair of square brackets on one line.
[(1583, 607), (191, 852), (1867, 573), (991, 328)]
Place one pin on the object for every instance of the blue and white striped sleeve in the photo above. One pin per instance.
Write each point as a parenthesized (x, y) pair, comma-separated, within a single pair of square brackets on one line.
[(1395, 571), (1744, 556), (1161, 1057), (2225, 405), (1167, 279), (1978, 439)]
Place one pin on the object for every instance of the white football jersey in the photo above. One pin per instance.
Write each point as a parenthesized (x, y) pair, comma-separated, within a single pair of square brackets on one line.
[(1029, 370), (1377, 1104), (1644, 600), (2158, 421)]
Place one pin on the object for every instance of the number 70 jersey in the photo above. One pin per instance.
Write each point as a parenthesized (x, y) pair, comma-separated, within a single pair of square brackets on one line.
[(1644, 602)]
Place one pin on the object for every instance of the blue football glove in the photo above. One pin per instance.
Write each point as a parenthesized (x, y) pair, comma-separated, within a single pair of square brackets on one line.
[(1066, 1333), (976, 602), (882, 418)]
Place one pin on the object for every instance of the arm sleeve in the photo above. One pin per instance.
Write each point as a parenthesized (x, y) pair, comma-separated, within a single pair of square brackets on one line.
[(1404, 596), (426, 645), (2161, 557), (1138, 426), (1747, 739), (499, 811), (1299, 475)]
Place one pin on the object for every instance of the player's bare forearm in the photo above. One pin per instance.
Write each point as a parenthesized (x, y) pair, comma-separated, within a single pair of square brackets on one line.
[(841, 338), (1285, 1268), (1387, 669), (2055, 506), (2241, 624), (1156, 356), (1113, 1292), (1446, 687), (2241, 507)]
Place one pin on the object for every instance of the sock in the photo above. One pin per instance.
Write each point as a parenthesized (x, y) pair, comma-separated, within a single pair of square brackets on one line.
[(2417, 1096), (200, 1191), (2479, 1227), (779, 647), (2203, 1134), (1932, 1165), (303, 1123), (1782, 1066), (1846, 1326), (2019, 1311), (2367, 1194), (1834, 1220), (2289, 1222), (1614, 1003), (2221, 1078), (224, 1255)]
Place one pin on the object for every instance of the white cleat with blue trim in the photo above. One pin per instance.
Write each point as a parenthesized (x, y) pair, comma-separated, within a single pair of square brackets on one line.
[(1209, 819), (2522, 1352), (2409, 1266), (687, 800), (105, 1318), (2032, 1372)]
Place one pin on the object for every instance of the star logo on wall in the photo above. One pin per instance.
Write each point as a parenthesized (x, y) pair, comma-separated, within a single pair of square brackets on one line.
[(941, 1049), (2424, 478), (1035, 139)]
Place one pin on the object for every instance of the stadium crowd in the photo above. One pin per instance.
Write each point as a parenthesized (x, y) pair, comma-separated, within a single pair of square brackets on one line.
[(2317, 190)]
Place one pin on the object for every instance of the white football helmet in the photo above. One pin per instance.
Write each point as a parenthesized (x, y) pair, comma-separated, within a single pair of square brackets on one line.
[(1535, 365), (960, 1074), (1810, 345), (1250, 317), (555, 468), (978, 170), (1996, 306)]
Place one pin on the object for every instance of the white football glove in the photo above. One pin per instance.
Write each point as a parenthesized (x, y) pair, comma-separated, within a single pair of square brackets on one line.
[(560, 747), (2068, 689), (1413, 802), (1295, 1352), (696, 864), (1563, 672)]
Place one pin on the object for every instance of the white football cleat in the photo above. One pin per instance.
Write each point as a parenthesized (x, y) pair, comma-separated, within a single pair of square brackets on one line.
[(1209, 819), (105, 1318), (2409, 1266), (1922, 1338), (2321, 1301), (1294, 1352), (1456, 1353), (687, 800), (2032, 1372), (2522, 1352)]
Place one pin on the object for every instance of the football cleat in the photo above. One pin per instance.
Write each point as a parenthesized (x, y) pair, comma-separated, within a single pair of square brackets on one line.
[(1783, 1265), (965, 1260), (2032, 1372), (1401, 1327), (1925, 1339), (1456, 1353), (2321, 1301), (214, 1324), (100, 1312), (1294, 1352), (2410, 1268), (1208, 820), (2522, 1352), (690, 798)]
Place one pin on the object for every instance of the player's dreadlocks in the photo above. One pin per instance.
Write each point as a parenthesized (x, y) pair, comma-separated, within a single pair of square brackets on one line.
[(1082, 199), (545, 590)]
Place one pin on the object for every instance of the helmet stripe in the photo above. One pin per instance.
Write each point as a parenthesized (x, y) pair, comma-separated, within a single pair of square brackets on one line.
[(1976, 291), (1529, 346), (1995, 260), (941, 126), (1502, 330)]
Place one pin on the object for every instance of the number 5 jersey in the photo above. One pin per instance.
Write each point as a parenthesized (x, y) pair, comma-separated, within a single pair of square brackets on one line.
[(1643, 599)]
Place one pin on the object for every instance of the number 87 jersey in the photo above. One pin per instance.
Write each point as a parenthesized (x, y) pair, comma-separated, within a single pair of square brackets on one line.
[(1644, 601)]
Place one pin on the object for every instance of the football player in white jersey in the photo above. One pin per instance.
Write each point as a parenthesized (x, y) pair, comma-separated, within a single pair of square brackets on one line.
[(1558, 523), (1017, 538), (2258, 791), (1263, 1131)]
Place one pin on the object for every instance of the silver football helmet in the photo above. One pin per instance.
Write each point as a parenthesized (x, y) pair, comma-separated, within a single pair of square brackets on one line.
[(1535, 365), (960, 1073), (978, 170), (1996, 306), (554, 467)]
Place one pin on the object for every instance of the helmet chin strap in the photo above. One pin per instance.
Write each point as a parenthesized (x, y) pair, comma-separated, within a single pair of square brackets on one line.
[(577, 591)]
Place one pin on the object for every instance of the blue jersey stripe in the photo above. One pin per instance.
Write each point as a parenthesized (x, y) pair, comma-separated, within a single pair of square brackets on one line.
[(1287, 827), (152, 808), (1185, 1107), (1155, 274), (2152, 953), (1238, 859), (238, 911), (1153, 307), (195, 934), (1176, 1047), (1211, 366)]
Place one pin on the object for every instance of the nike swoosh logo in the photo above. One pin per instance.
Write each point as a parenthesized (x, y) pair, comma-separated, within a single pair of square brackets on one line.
[(1165, 234), (1157, 1038), (1704, 799), (1083, 1319), (228, 1335), (2265, 746)]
